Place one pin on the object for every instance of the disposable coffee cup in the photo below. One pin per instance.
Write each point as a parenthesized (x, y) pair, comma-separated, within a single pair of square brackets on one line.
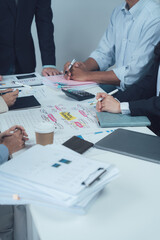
[(44, 133)]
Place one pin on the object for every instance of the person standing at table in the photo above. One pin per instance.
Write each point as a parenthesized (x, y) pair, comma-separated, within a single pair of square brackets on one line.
[(17, 53), (140, 99), (11, 141), (128, 44)]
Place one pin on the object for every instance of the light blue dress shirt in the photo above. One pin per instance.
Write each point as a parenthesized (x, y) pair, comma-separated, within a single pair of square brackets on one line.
[(129, 41), (4, 153)]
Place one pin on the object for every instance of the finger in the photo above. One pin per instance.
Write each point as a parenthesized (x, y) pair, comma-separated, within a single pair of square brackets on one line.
[(7, 90), (22, 143), (66, 66), (44, 74), (99, 95), (15, 127), (25, 139), (98, 106)]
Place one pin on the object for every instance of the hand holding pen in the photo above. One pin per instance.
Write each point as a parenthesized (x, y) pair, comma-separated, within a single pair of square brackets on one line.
[(10, 96), (68, 66), (108, 103)]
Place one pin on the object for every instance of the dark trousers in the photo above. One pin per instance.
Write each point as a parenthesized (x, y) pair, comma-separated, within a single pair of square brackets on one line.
[(6, 222)]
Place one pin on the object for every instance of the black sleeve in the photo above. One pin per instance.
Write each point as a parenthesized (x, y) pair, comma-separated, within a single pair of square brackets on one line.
[(45, 30), (145, 107), (142, 95)]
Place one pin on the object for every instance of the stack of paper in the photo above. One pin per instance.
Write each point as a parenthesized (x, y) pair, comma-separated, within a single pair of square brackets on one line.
[(59, 81), (55, 176)]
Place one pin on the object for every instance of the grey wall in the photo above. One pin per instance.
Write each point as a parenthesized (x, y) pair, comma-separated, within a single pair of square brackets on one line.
[(79, 25)]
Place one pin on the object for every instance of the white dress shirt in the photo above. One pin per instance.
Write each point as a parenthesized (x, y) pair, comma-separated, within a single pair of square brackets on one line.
[(129, 41)]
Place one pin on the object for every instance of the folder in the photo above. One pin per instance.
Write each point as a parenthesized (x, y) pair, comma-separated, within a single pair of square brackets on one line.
[(106, 119), (131, 143), (25, 102)]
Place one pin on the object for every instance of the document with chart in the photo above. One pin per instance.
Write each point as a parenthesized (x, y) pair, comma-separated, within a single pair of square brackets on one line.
[(55, 176), (69, 120)]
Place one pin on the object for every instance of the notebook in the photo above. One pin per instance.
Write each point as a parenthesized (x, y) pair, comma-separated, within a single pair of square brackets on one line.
[(25, 102), (134, 144), (106, 119), (77, 144)]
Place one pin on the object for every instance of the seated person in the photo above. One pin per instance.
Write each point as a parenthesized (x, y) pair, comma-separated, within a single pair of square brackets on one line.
[(133, 31), (12, 141), (140, 99), (8, 99)]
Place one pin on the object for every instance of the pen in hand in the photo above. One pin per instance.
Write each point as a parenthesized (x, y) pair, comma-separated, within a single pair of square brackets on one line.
[(70, 66), (100, 99), (2, 93)]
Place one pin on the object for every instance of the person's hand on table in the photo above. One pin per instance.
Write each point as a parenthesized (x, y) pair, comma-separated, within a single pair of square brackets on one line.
[(14, 138), (77, 72), (11, 97), (50, 72)]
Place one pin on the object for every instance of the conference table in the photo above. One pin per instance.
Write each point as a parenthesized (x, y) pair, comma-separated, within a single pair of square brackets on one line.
[(127, 209)]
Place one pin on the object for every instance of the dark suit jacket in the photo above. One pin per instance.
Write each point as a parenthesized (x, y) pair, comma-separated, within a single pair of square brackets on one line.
[(142, 97), (16, 43)]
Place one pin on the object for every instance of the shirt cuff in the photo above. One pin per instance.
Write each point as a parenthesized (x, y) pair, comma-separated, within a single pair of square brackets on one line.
[(3, 105), (49, 66), (125, 108)]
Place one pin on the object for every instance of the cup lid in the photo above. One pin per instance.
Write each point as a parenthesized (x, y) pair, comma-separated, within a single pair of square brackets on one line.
[(44, 127)]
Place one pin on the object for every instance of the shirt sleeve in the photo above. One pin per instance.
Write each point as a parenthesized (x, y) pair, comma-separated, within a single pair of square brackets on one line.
[(104, 55), (49, 66), (141, 58), (3, 105), (4, 153)]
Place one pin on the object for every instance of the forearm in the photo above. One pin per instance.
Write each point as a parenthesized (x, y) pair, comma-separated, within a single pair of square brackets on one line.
[(91, 65), (106, 77)]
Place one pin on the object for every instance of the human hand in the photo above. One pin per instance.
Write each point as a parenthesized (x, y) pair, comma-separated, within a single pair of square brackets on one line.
[(50, 72), (10, 98), (77, 72), (16, 140), (11, 130), (108, 103)]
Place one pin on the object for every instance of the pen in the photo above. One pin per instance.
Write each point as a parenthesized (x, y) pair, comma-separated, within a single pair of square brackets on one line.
[(21, 84), (71, 64), (2, 93), (100, 99)]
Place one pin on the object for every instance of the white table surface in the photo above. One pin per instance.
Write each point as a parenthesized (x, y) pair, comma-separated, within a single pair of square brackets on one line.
[(128, 208)]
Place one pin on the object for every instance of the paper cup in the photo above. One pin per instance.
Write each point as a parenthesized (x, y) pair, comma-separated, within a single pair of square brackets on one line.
[(44, 133)]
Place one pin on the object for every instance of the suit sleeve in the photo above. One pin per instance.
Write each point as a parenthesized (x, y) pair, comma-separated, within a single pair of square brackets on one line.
[(45, 30), (143, 89), (142, 95), (145, 107)]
